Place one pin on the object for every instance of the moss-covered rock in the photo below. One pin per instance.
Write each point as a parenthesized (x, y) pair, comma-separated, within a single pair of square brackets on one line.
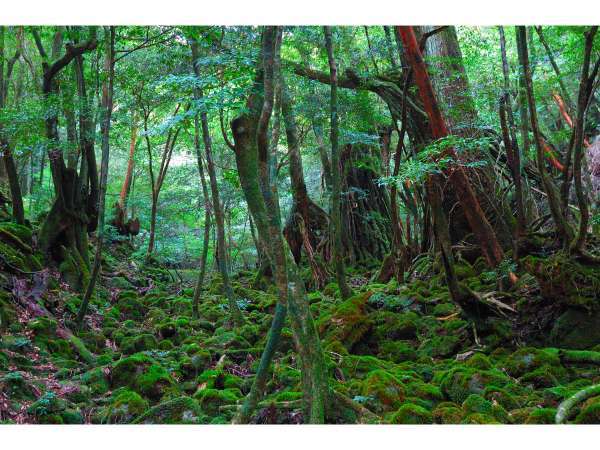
[(178, 410), (539, 416), (211, 400), (138, 343), (409, 413), (458, 383), (528, 359), (142, 374), (385, 388), (126, 405), (348, 322)]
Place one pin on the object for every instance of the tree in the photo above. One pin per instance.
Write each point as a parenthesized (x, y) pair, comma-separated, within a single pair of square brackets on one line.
[(107, 107), (335, 211)]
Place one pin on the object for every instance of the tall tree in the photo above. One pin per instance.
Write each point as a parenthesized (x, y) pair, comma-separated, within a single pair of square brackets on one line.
[(235, 312), (107, 107), (5, 145), (336, 191)]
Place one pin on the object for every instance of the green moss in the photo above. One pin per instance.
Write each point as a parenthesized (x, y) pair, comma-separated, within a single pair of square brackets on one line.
[(384, 387), (479, 419), (458, 383), (348, 322), (138, 343), (410, 413), (541, 416), (444, 309), (211, 399), (590, 412), (142, 374), (479, 361), (397, 351), (447, 414), (393, 326), (218, 379), (528, 359), (477, 404), (440, 346), (96, 380), (424, 391), (544, 376), (178, 410), (126, 405)]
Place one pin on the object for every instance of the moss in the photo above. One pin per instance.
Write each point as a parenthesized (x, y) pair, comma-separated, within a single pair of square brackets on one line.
[(410, 413), (130, 306), (440, 346), (218, 379), (528, 359), (96, 380), (226, 339), (349, 321), (541, 416), (47, 404), (545, 376), (142, 374), (211, 399), (397, 351), (502, 397), (425, 391), (576, 329), (476, 404), (443, 309), (384, 387), (479, 361), (393, 326), (444, 414), (178, 410), (458, 383), (125, 406), (590, 412), (289, 396), (43, 326), (138, 343), (479, 419)]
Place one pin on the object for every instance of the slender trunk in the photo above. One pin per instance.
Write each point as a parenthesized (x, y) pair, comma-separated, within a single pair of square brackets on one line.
[(524, 116), (561, 83), (130, 165), (107, 106), (564, 230), (251, 149), (336, 213), (475, 216), (207, 221), (153, 212), (510, 138), (7, 156), (585, 90), (236, 314)]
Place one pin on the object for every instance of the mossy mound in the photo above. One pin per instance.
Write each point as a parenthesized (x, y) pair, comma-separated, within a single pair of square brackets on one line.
[(412, 414), (142, 374), (348, 322), (178, 410)]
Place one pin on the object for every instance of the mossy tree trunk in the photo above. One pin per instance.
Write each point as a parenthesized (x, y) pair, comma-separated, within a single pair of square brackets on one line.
[(221, 253), (252, 160), (206, 198), (63, 235), (8, 161), (336, 191), (107, 107)]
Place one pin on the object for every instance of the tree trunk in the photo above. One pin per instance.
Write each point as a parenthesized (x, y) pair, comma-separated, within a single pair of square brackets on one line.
[(478, 222), (107, 106), (236, 314), (251, 149), (336, 213)]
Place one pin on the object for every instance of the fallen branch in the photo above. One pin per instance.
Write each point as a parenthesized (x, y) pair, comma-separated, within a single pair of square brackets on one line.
[(565, 408)]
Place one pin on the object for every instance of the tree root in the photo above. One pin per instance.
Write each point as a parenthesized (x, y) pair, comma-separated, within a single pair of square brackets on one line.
[(563, 411)]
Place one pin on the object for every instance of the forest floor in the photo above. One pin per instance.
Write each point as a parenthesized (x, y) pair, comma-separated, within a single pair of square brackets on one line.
[(403, 352)]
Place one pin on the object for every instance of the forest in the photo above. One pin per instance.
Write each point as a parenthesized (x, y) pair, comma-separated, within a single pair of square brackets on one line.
[(299, 224)]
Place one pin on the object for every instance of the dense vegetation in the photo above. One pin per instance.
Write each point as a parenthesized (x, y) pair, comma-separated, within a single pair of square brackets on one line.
[(383, 224)]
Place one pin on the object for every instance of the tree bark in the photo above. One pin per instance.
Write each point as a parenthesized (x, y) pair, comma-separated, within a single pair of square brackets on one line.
[(478, 222), (107, 106), (235, 312), (335, 213)]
